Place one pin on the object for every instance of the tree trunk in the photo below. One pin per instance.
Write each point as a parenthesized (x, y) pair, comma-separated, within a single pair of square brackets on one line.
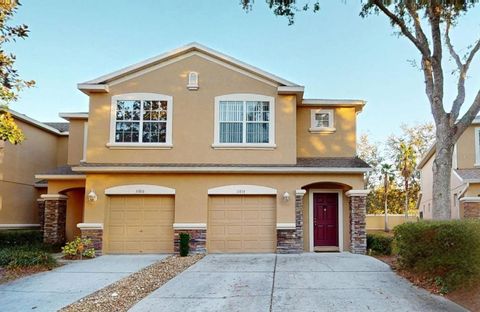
[(406, 200), (386, 212), (442, 171)]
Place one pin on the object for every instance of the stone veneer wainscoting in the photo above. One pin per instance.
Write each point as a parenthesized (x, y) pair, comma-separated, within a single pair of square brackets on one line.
[(93, 231), (471, 208), (358, 215), (198, 238), (55, 215), (290, 240)]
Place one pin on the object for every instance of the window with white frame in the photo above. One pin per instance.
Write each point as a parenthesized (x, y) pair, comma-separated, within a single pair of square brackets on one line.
[(322, 120), (477, 147), (244, 120), (141, 118)]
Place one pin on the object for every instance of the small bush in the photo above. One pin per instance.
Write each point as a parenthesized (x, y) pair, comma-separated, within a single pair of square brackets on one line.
[(79, 248), (184, 244), (9, 238), (379, 244), (12, 257), (448, 252)]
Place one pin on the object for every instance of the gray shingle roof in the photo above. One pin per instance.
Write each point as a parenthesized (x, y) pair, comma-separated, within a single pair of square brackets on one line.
[(469, 174), (60, 126), (317, 162), (62, 170)]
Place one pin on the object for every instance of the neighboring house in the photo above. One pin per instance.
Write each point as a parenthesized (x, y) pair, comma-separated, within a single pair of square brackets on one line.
[(196, 141), (44, 148), (465, 178)]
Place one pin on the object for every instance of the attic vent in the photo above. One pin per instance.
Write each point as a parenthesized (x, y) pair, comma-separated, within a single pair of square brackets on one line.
[(192, 81)]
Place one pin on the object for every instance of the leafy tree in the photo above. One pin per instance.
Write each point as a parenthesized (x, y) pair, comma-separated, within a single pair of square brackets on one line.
[(370, 153), (10, 82), (426, 24), (406, 163), (387, 173)]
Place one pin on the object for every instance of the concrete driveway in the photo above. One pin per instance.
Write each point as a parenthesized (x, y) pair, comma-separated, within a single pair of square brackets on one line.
[(53, 290), (305, 282)]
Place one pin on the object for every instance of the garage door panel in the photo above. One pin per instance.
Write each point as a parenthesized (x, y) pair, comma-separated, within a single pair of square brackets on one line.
[(241, 224), (140, 224)]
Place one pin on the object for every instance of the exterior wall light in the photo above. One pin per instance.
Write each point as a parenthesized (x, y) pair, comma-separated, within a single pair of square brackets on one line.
[(286, 196), (92, 197)]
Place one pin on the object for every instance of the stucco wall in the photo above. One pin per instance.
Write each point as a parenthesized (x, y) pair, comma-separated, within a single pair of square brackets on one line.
[(75, 141), (193, 117), (466, 148), (426, 180), (341, 143), (18, 165)]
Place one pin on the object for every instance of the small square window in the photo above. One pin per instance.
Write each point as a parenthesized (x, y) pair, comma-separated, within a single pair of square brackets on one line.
[(322, 120)]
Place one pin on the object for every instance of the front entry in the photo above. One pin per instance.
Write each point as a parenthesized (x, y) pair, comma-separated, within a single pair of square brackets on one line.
[(325, 219)]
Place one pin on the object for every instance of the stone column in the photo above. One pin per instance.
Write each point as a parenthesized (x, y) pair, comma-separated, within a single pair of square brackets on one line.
[(358, 214), (54, 218), (290, 236), (198, 237), (471, 207), (41, 212), (93, 231)]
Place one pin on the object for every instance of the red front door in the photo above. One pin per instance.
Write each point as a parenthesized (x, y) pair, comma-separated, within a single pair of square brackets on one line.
[(325, 219)]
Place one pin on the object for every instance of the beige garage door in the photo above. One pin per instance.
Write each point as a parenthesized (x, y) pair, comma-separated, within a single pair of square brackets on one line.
[(241, 224), (140, 224)]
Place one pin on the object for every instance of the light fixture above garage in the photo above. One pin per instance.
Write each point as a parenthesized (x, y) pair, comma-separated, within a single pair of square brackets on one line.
[(92, 197), (286, 196)]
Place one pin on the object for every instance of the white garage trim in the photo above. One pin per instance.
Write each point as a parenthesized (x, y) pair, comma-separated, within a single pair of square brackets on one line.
[(242, 190), (139, 189), (340, 216), (286, 226), (190, 226), (90, 226)]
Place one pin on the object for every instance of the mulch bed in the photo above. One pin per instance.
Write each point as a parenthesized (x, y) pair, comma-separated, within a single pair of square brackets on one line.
[(122, 295), (469, 297), (10, 274)]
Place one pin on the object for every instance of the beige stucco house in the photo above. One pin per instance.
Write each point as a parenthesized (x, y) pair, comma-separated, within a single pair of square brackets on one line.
[(196, 141), (465, 178), (45, 147)]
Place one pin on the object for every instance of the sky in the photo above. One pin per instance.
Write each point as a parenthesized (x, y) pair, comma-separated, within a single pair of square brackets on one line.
[(335, 53)]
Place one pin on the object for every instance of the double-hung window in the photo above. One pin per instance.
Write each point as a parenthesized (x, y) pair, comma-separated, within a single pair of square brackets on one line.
[(141, 119), (244, 120)]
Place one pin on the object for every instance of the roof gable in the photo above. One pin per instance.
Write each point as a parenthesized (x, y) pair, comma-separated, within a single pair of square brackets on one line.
[(101, 83)]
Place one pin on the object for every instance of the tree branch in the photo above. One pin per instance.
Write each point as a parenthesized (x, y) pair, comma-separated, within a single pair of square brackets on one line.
[(406, 32), (460, 98), (469, 116), (422, 38)]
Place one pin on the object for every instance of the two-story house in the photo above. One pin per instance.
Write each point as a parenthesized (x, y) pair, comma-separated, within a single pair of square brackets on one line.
[(465, 178), (196, 141)]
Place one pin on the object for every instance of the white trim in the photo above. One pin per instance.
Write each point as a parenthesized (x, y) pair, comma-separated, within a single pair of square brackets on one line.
[(85, 139), (300, 192), (61, 176), (455, 157), (306, 170), (331, 121), (40, 185), (455, 173), (253, 146), (93, 88), (69, 116), (195, 47), (477, 146), (333, 102), (54, 196), (138, 146), (244, 97), (139, 189), (290, 89), (359, 193), (340, 216), (190, 226), (141, 97), (34, 122), (286, 226), (7, 226), (90, 226), (242, 190), (470, 199)]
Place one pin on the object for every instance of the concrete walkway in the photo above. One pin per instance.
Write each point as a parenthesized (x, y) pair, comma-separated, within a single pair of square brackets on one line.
[(305, 282), (53, 290)]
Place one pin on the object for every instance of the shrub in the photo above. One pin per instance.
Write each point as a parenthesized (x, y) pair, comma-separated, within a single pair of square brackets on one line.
[(379, 244), (448, 252), (79, 248), (184, 244), (25, 257), (9, 238)]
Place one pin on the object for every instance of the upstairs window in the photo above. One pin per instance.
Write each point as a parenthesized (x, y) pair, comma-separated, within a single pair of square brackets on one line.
[(322, 120), (244, 120), (477, 147), (192, 81), (141, 118)]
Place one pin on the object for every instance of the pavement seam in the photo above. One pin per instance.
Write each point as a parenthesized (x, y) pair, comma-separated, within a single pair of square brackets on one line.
[(273, 282)]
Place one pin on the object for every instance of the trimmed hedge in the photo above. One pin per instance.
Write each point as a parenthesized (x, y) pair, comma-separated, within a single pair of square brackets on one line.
[(379, 244), (446, 251), (26, 256), (184, 244), (9, 238)]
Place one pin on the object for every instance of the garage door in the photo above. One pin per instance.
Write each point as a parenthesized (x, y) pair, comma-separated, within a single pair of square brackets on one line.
[(241, 224), (140, 224)]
